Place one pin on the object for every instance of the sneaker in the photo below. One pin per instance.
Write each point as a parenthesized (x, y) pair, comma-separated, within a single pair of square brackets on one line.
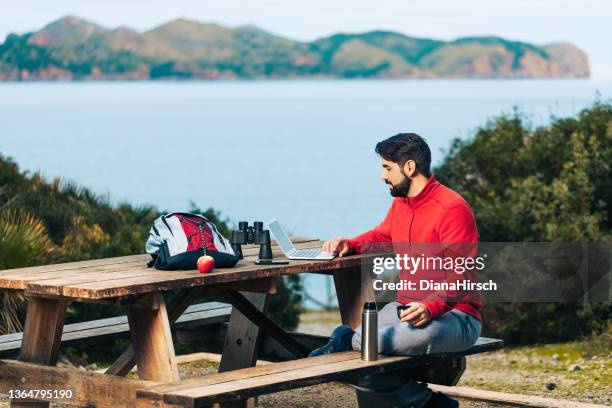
[(440, 400), (340, 340)]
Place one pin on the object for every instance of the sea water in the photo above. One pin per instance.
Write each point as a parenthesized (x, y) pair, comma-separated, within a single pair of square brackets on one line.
[(299, 151)]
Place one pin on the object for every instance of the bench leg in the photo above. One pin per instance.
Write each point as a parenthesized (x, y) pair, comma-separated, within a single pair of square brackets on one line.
[(152, 340), (175, 308), (242, 342), (353, 290), (266, 325), (42, 335)]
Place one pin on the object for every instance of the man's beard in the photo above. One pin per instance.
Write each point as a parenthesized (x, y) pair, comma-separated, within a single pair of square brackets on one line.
[(400, 189)]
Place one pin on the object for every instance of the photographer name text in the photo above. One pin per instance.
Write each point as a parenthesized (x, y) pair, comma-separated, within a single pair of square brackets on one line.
[(428, 284)]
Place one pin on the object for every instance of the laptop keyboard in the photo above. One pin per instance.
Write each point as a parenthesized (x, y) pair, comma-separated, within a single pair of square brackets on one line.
[(307, 253)]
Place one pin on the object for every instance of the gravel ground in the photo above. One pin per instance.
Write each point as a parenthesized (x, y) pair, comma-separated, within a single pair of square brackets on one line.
[(331, 395)]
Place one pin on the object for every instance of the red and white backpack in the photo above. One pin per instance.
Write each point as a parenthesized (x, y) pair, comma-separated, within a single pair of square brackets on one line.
[(177, 240)]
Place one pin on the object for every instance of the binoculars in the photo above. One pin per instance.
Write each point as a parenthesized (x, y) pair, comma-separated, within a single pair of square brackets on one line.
[(255, 234)]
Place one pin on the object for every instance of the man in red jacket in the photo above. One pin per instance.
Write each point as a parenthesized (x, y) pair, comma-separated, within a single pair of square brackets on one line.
[(431, 217)]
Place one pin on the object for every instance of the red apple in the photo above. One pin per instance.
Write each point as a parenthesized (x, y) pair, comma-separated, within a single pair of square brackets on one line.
[(206, 263)]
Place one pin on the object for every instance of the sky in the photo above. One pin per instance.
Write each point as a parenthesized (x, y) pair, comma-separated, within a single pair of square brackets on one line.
[(585, 23)]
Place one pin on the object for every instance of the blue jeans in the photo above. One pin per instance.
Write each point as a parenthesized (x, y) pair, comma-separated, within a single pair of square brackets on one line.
[(453, 331)]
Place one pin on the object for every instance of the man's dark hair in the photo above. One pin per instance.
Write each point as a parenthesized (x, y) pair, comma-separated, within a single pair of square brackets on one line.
[(406, 146)]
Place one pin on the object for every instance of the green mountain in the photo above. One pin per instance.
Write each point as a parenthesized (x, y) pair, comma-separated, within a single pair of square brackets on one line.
[(74, 49)]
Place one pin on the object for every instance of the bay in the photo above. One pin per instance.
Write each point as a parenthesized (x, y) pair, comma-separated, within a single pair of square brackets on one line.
[(300, 151)]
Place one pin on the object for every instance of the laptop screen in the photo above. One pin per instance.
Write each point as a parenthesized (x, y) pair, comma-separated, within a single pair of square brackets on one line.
[(280, 236)]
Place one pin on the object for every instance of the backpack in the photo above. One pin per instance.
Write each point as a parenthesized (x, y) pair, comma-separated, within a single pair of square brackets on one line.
[(176, 241)]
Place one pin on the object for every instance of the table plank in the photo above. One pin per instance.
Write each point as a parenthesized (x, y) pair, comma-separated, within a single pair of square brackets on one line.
[(220, 387), (80, 264), (55, 286), (151, 280), (20, 278), (208, 393), (64, 266), (15, 280), (242, 374), (163, 282), (125, 276), (279, 376)]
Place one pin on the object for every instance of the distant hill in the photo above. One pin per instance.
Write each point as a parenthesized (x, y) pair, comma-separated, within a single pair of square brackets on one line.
[(74, 49)]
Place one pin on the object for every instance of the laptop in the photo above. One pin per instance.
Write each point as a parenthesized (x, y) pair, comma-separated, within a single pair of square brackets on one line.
[(289, 249)]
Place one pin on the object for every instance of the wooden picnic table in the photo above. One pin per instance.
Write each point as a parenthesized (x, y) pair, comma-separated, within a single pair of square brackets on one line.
[(129, 282)]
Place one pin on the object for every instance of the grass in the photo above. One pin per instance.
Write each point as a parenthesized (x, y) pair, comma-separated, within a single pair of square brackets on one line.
[(578, 371)]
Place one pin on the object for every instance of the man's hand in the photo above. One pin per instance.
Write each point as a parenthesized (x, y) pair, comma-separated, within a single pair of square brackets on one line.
[(337, 246), (417, 314)]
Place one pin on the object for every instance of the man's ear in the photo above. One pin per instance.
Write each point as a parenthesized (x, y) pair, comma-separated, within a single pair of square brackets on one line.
[(409, 168)]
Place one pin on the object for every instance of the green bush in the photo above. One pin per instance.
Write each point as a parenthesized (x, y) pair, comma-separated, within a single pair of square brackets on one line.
[(551, 184), (23, 242)]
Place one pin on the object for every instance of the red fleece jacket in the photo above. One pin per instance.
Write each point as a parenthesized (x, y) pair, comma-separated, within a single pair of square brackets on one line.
[(436, 215)]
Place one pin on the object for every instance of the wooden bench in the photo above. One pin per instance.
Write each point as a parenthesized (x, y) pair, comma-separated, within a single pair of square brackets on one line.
[(444, 368), (104, 391), (202, 314)]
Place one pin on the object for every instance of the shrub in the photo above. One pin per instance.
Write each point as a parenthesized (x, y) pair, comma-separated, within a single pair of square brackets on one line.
[(551, 184), (23, 242)]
